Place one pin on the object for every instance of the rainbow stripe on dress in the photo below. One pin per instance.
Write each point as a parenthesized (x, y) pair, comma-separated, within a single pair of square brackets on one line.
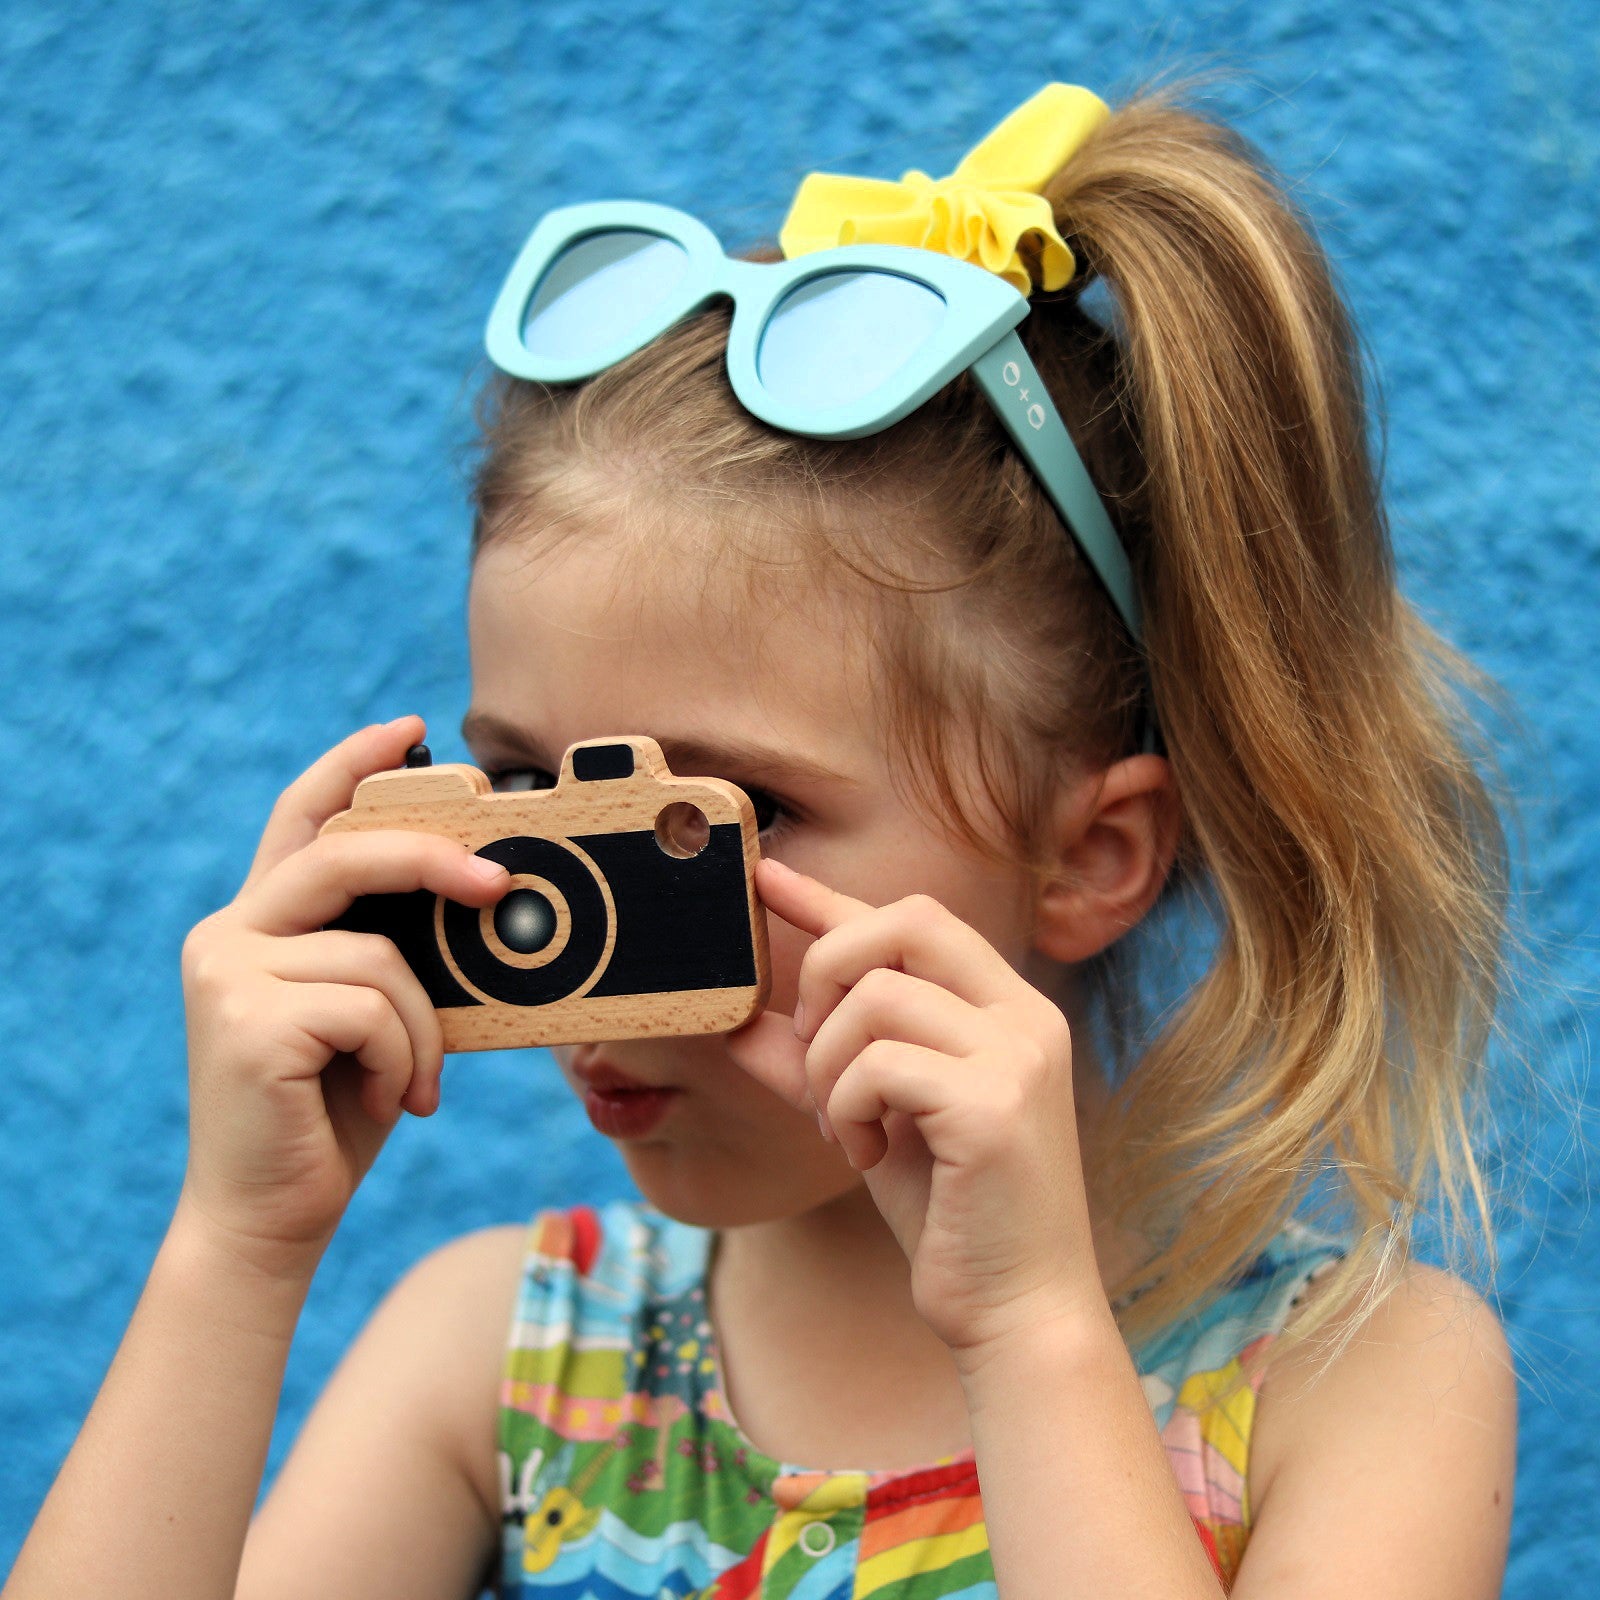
[(624, 1475)]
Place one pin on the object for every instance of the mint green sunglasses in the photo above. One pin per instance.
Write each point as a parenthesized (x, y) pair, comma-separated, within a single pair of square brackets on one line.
[(834, 344)]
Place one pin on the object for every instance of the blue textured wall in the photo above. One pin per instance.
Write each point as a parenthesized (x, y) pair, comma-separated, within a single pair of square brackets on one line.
[(246, 255)]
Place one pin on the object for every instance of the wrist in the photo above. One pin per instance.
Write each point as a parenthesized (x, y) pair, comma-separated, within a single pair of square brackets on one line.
[(1064, 1335), (258, 1283)]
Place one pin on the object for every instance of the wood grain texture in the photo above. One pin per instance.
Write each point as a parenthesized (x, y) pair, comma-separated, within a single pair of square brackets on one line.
[(656, 928)]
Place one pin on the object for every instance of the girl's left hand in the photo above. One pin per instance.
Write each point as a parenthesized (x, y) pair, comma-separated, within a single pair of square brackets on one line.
[(947, 1079)]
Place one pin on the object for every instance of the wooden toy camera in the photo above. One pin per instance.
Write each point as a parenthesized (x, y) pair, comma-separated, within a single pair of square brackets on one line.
[(632, 910)]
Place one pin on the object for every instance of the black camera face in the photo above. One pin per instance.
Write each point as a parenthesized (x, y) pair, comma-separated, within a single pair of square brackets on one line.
[(558, 915), (618, 930), (604, 914)]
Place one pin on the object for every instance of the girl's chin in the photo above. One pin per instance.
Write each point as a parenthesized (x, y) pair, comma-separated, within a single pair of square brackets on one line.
[(692, 1187)]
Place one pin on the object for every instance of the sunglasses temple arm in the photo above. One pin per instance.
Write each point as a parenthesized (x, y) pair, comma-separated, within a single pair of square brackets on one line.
[(1023, 404)]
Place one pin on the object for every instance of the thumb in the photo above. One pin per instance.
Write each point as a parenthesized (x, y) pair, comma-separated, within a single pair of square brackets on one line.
[(767, 1049)]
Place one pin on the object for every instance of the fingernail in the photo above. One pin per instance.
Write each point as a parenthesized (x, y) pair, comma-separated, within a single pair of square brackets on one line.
[(489, 871), (799, 1019), (822, 1127)]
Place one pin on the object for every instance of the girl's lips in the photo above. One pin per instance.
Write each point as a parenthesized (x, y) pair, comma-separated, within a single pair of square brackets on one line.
[(627, 1113), (620, 1106), (601, 1075)]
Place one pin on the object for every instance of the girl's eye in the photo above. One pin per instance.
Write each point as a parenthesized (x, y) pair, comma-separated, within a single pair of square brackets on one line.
[(508, 779), (772, 816)]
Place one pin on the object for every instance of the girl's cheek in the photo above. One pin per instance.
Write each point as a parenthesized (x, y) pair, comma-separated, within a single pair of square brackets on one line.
[(786, 949)]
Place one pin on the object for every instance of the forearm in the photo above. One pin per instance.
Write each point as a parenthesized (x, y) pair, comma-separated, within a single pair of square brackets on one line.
[(1077, 1492), (158, 1489)]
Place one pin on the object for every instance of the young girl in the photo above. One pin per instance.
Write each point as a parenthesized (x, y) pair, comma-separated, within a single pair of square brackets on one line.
[(945, 1214)]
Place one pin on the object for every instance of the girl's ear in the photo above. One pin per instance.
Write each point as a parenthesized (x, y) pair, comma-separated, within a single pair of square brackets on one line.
[(1116, 837)]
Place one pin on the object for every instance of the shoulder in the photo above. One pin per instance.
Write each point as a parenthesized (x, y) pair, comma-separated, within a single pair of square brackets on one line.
[(454, 1314), (460, 1297), (469, 1250), (462, 1291), (451, 1311), (1399, 1422), (1432, 1341), (467, 1277)]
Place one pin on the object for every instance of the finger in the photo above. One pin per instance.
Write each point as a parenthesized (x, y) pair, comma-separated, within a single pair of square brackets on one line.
[(916, 935), (315, 884), (328, 786), (808, 904), (887, 1004), (767, 1049), (338, 955), (357, 1021), (889, 1075)]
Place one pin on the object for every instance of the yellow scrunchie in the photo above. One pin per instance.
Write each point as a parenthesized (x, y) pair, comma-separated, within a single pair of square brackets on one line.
[(979, 212)]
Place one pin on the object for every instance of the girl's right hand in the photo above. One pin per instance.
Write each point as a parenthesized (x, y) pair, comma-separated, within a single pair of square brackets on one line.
[(306, 1042)]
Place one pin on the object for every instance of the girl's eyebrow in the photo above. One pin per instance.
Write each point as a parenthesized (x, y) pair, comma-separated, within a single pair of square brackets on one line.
[(687, 754)]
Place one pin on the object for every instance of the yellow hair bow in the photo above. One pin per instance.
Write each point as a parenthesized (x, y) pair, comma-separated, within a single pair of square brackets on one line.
[(979, 212)]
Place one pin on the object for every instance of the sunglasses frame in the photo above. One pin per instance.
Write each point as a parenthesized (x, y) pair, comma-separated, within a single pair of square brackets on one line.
[(977, 334)]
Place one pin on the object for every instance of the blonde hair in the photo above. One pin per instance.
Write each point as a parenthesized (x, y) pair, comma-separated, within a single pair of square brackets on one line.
[(1335, 819)]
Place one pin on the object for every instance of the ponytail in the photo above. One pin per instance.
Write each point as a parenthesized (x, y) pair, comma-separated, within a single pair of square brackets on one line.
[(1353, 854)]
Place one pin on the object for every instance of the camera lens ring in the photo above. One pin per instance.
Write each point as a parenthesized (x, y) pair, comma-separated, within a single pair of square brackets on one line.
[(567, 972)]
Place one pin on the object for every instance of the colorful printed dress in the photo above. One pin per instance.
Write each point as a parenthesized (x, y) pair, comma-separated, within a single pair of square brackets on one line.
[(623, 1473)]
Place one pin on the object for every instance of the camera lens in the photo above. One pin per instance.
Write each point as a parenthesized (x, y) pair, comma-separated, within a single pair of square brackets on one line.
[(524, 921)]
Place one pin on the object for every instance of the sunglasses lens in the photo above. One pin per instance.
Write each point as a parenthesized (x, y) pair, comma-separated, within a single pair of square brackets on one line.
[(598, 289), (837, 338)]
